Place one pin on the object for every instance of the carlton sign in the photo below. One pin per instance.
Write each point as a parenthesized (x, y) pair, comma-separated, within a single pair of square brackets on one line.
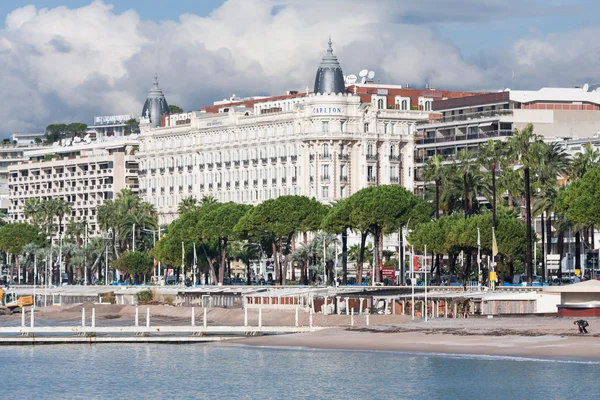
[(328, 110)]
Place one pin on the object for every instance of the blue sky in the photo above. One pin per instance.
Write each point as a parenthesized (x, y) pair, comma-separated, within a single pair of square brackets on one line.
[(92, 58)]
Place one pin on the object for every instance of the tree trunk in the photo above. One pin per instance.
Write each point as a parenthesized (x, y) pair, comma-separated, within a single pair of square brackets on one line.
[(437, 199), (467, 271), (528, 258), (210, 263), (375, 267), (345, 256), (361, 257), (379, 251), (543, 247), (465, 195), (223, 260), (275, 259), (293, 263)]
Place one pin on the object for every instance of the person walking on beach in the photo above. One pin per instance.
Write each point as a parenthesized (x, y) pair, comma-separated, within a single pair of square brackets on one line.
[(581, 324)]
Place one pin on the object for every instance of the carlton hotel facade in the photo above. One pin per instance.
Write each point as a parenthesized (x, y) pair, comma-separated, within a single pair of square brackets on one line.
[(326, 144)]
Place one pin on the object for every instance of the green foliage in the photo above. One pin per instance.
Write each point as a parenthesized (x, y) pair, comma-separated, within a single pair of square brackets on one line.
[(579, 201), (144, 296), (56, 132), (14, 237), (133, 262), (133, 125), (173, 109)]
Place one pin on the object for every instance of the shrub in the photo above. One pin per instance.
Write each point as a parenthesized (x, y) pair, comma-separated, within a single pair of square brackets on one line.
[(169, 300), (145, 296)]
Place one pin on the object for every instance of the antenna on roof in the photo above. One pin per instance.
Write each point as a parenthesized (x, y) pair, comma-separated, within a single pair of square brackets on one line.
[(586, 87)]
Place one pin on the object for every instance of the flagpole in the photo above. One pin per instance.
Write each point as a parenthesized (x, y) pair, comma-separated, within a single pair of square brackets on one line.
[(494, 252), (425, 270), (182, 264), (478, 259), (412, 280)]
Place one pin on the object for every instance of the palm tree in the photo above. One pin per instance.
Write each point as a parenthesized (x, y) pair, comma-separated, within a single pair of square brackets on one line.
[(490, 155), (34, 210), (75, 231), (522, 144), (510, 182), (187, 204), (208, 200), (583, 162), (434, 172), (60, 208)]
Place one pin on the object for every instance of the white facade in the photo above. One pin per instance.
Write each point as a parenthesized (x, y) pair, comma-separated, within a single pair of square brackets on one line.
[(322, 146), (86, 175)]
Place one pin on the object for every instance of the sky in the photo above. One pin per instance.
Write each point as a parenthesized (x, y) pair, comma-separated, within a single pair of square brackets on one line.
[(71, 60)]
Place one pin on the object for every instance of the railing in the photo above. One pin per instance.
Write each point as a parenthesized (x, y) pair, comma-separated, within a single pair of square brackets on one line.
[(236, 163), (283, 159), (472, 136), (343, 178), (227, 164), (394, 158), (371, 179), (263, 161), (274, 181), (325, 178), (467, 117), (371, 157), (325, 157), (343, 157), (293, 158), (294, 179), (394, 179)]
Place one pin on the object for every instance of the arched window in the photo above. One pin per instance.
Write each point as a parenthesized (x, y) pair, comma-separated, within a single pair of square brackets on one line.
[(404, 104), (427, 106), (380, 104), (325, 150), (392, 150)]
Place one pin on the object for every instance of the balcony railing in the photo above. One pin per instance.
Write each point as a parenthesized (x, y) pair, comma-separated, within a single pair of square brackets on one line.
[(343, 178), (371, 157), (471, 116), (227, 164), (325, 156), (394, 179), (283, 159), (394, 158), (371, 179), (471, 136), (325, 178), (343, 157), (294, 158)]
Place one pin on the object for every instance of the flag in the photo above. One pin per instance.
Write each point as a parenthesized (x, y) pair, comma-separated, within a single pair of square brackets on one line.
[(478, 238), (494, 244)]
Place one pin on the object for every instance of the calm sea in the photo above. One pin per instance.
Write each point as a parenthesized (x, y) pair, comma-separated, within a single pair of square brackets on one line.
[(147, 371)]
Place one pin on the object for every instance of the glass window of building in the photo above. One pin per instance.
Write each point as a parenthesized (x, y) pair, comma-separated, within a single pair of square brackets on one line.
[(325, 126), (404, 104), (325, 191)]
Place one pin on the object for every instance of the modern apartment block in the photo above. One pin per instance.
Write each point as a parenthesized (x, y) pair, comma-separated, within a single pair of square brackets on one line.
[(85, 174), (465, 123)]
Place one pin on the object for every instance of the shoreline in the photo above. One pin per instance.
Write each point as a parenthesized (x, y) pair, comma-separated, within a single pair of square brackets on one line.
[(551, 347)]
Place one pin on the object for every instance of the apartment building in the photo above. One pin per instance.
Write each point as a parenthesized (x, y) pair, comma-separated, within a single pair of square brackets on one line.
[(85, 174)]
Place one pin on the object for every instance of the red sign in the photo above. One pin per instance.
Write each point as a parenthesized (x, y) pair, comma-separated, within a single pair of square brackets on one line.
[(389, 273)]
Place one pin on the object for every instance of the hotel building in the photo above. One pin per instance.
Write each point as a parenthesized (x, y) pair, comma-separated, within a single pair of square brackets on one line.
[(327, 144)]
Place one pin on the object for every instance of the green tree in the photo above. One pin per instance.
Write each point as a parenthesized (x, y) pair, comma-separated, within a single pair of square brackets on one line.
[(14, 237), (218, 224), (337, 220), (76, 129), (491, 154), (133, 125), (173, 109), (383, 210), (134, 263), (186, 204)]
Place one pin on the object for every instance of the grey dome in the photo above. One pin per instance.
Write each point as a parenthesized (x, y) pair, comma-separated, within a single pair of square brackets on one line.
[(330, 78), (156, 105)]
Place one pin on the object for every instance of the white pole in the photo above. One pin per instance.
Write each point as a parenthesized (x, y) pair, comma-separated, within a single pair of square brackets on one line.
[(412, 281), (133, 239), (32, 319), (83, 317), (425, 266), (85, 256), (60, 261), (245, 316), (195, 264), (46, 285), (324, 262), (154, 245), (34, 277), (260, 317), (310, 318), (106, 265), (23, 316), (193, 316), (93, 317), (159, 261), (137, 316), (147, 317), (296, 316), (205, 321), (478, 259), (373, 269), (352, 317)]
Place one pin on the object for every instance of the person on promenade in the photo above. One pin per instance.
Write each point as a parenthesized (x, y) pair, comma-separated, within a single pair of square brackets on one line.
[(581, 324)]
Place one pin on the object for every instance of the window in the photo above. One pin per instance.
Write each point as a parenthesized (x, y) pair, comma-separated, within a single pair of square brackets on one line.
[(404, 104), (427, 106), (370, 172), (325, 150), (343, 126), (325, 191), (325, 171), (392, 150), (325, 126), (370, 150), (380, 104), (366, 128)]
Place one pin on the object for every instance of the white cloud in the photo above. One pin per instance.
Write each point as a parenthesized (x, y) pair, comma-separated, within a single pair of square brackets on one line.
[(71, 64)]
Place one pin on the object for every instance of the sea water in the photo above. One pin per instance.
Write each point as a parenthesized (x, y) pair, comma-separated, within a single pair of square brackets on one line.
[(200, 371)]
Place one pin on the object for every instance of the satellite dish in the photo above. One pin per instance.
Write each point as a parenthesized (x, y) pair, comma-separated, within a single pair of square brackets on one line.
[(350, 79), (363, 80), (371, 74), (363, 73), (586, 87)]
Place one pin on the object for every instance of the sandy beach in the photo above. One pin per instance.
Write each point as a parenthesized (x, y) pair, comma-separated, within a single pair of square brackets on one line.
[(507, 336), (519, 337)]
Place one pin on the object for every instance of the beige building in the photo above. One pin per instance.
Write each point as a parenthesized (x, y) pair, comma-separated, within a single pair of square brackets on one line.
[(85, 174)]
